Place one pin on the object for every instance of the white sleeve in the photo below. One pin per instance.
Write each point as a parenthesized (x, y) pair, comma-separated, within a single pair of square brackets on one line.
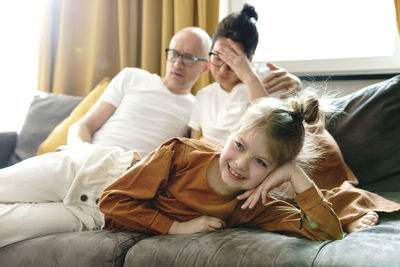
[(236, 106), (194, 121), (115, 91)]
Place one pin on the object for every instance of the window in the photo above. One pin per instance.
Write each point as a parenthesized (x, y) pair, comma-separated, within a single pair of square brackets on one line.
[(326, 37), (18, 65)]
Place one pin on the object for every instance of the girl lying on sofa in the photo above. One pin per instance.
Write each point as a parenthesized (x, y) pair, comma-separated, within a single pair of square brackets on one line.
[(184, 186), (189, 186)]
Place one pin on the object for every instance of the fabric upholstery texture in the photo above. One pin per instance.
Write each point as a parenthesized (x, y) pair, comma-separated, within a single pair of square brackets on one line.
[(230, 247), (94, 248), (8, 140), (368, 133), (59, 134), (45, 112), (377, 246)]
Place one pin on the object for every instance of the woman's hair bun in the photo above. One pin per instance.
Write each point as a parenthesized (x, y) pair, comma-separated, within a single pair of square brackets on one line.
[(249, 12)]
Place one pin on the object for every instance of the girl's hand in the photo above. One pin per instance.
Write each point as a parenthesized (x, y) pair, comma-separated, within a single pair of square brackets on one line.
[(280, 79), (200, 224), (289, 171), (236, 59), (275, 179)]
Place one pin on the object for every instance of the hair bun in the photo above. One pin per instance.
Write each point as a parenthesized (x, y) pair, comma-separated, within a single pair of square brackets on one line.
[(306, 109), (249, 12), (296, 116)]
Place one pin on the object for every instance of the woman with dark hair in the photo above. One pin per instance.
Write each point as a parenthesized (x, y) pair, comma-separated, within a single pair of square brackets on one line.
[(221, 104)]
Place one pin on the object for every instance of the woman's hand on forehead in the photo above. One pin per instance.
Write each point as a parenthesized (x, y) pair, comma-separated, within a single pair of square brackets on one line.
[(233, 55)]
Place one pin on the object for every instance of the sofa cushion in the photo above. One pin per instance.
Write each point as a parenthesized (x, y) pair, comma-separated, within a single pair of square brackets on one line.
[(58, 136), (91, 248), (8, 140), (45, 112), (375, 246), (229, 247), (368, 134)]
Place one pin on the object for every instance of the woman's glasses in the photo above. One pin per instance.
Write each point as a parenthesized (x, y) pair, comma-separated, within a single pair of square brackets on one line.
[(215, 59)]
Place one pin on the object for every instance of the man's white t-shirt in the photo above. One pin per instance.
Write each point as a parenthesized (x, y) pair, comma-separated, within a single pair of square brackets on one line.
[(147, 113), (216, 111)]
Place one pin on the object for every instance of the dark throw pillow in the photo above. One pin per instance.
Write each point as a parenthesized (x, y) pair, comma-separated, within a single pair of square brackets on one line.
[(368, 134), (45, 112)]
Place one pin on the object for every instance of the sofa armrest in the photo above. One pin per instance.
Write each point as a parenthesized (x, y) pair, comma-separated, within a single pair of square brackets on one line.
[(8, 141)]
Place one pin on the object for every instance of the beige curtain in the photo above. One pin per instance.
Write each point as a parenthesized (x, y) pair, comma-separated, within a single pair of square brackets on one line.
[(84, 41), (397, 6)]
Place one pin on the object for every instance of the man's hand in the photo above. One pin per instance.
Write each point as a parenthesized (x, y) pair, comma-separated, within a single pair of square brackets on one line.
[(280, 79), (200, 224)]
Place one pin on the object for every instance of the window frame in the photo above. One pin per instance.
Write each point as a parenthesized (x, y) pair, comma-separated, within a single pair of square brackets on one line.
[(368, 66)]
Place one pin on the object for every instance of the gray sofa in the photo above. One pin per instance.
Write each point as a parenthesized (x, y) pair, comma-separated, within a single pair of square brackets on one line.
[(368, 132)]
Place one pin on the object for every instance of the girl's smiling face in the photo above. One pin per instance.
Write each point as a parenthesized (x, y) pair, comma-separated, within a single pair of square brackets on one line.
[(245, 162)]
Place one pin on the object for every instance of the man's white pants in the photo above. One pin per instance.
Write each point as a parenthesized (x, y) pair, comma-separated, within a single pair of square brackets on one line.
[(57, 192)]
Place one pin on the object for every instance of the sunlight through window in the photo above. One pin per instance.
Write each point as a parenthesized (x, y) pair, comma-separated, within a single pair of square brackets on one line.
[(19, 21)]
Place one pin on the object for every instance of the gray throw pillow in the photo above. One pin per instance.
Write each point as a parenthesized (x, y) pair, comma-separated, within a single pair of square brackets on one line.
[(368, 133), (46, 111)]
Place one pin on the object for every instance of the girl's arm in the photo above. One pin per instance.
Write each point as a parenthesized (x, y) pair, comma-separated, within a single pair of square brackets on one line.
[(290, 172), (128, 202), (200, 224), (316, 219), (238, 62)]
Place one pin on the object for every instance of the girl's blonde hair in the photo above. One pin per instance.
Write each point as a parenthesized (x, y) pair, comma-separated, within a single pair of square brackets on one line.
[(286, 124)]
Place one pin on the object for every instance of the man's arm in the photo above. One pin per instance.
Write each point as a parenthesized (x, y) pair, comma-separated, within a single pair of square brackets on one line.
[(279, 79), (84, 129)]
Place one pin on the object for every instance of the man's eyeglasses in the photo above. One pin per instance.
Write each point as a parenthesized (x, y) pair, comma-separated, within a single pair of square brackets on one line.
[(215, 59), (188, 60)]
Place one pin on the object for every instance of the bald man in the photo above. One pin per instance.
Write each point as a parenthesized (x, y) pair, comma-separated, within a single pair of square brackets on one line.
[(139, 110), (58, 192)]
